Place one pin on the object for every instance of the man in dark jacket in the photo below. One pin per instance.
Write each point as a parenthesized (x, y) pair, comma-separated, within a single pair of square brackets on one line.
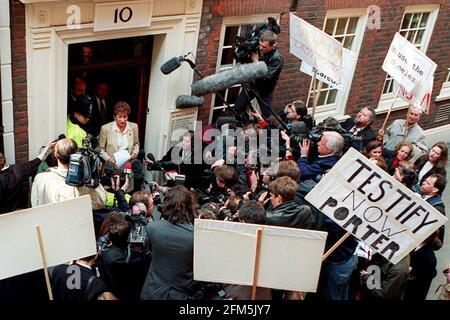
[(284, 212), (12, 177), (329, 148), (360, 128), (264, 87), (392, 281)]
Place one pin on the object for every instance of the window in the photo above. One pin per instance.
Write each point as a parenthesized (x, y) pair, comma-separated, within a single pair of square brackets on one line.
[(346, 26), (416, 26), (445, 90), (232, 27)]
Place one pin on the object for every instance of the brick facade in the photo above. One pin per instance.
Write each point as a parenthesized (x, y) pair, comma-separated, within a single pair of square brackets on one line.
[(19, 79), (368, 78)]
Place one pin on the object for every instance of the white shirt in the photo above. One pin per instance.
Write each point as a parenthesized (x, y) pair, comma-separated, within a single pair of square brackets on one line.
[(122, 137), (426, 167)]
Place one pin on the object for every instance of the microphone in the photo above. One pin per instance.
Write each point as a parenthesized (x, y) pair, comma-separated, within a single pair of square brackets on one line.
[(127, 169), (241, 73), (171, 65), (185, 101)]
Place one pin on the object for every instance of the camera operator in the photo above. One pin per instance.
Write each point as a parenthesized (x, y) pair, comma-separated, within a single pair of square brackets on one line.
[(51, 187), (122, 272), (329, 149), (360, 128), (268, 53), (12, 177)]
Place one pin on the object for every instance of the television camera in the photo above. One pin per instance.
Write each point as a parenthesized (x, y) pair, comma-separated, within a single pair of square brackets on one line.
[(248, 41)]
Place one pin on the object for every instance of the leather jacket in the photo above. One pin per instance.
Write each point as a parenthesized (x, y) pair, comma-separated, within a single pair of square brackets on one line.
[(274, 62)]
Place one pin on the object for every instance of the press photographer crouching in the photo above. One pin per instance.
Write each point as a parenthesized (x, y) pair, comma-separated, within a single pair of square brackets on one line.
[(124, 257)]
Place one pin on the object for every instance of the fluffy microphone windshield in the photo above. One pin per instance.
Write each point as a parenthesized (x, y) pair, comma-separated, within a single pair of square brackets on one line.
[(240, 74), (184, 101)]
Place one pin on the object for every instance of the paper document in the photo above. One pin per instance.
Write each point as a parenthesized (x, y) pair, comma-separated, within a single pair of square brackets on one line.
[(121, 157)]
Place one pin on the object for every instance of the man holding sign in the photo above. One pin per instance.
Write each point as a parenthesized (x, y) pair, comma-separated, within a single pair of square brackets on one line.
[(395, 134)]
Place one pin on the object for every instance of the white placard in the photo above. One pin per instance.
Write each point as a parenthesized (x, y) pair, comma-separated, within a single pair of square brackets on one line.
[(374, 207), (315, 47), (67, 230), (122, 15), (407, 64), (348, 58), (420, 97), (290, 259)]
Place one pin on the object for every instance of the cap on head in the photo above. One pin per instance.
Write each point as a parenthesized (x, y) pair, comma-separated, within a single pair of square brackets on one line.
[(83, 105)]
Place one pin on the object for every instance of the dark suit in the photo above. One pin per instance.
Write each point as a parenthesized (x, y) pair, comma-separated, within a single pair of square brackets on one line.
[(99, 118), (171, 272), (360, 139)]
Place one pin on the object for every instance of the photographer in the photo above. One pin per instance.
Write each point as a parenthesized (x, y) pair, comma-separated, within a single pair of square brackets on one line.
[(123, 274), (12, 177), (329, 149), (268, 53), (51, 187)]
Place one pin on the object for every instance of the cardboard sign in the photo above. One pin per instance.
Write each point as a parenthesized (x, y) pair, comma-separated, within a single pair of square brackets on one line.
[(67, 230), (420, 97), (407, 64), (348, 58), (377, 209), (290, 259), (315, 47)]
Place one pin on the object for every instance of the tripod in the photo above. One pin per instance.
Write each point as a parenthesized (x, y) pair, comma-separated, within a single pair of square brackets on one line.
[(246, 89)]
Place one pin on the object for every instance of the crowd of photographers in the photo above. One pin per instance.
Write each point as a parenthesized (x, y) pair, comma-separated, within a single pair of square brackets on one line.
[(257, 169), (145, 234)]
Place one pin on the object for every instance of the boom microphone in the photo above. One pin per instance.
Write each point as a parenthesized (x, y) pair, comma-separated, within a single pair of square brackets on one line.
[(239, 74), (171, 65), (185, 101)]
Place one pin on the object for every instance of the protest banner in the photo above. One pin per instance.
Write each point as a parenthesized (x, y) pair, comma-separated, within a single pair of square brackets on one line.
[(66, 230), (348, 57), (420, 96), (377, 209), (315, 47), (407, 64), (226, 252)]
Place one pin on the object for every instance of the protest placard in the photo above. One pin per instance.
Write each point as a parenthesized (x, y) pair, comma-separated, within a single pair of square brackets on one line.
[(289, 258), (377, 209), (407, 64), (315, 47), (348, 57), (67, 231), (420, 97)]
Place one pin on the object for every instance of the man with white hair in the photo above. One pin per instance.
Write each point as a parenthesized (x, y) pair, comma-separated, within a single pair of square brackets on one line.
[(397, 133), (330, 150)]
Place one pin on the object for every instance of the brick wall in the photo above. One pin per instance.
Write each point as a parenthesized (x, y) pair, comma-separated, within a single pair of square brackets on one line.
[(368, 78), (19, 79)]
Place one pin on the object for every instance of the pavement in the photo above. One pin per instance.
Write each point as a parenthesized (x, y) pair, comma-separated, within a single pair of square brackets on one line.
[(443, 255)]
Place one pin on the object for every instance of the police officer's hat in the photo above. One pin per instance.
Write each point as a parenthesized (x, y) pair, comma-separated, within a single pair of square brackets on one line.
[(83, 105)]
